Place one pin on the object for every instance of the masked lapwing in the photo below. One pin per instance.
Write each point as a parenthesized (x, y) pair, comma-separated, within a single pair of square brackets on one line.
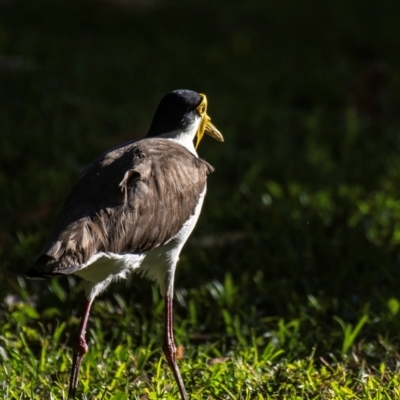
[(132, 210)]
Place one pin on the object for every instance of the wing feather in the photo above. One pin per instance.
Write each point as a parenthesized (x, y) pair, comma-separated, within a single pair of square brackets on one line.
[(129, 200)]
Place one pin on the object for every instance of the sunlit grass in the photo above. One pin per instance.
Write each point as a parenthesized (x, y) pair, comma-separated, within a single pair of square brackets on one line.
[(273, 359)]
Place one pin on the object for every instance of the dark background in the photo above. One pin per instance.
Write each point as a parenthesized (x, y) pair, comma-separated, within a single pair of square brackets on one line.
[(303, 210)]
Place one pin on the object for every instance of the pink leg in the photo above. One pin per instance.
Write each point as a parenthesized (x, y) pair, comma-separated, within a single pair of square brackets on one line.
[(169, 346), (80, 350)]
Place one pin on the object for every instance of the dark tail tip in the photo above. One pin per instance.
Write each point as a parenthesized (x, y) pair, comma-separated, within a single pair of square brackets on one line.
[(33, 273), (37, 270)]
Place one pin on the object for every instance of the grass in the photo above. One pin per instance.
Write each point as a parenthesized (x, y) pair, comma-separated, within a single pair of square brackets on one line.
[(288, 288), (271, 358)]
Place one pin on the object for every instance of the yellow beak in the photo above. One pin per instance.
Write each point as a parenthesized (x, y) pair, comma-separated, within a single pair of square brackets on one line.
[(205, 125)]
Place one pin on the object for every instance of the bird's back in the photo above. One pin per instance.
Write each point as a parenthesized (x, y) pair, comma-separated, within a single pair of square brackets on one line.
[(131, 199)]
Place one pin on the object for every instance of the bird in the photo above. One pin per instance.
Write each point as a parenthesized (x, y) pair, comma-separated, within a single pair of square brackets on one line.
[(131, 211)]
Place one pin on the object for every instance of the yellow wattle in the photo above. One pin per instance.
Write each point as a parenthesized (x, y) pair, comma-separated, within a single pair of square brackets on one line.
[(201, 130)]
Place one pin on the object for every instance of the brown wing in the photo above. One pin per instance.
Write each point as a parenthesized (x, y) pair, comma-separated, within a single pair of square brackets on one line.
[(129, 200)]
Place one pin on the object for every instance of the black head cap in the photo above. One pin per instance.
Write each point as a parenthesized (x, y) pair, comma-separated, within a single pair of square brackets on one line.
[(176, 110)]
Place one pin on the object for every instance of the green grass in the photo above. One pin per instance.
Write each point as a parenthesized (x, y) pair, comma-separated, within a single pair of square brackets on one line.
[(289, 286), (270, 358)]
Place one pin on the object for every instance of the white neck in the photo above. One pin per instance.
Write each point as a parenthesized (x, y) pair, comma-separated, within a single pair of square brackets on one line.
[(184, 138)]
